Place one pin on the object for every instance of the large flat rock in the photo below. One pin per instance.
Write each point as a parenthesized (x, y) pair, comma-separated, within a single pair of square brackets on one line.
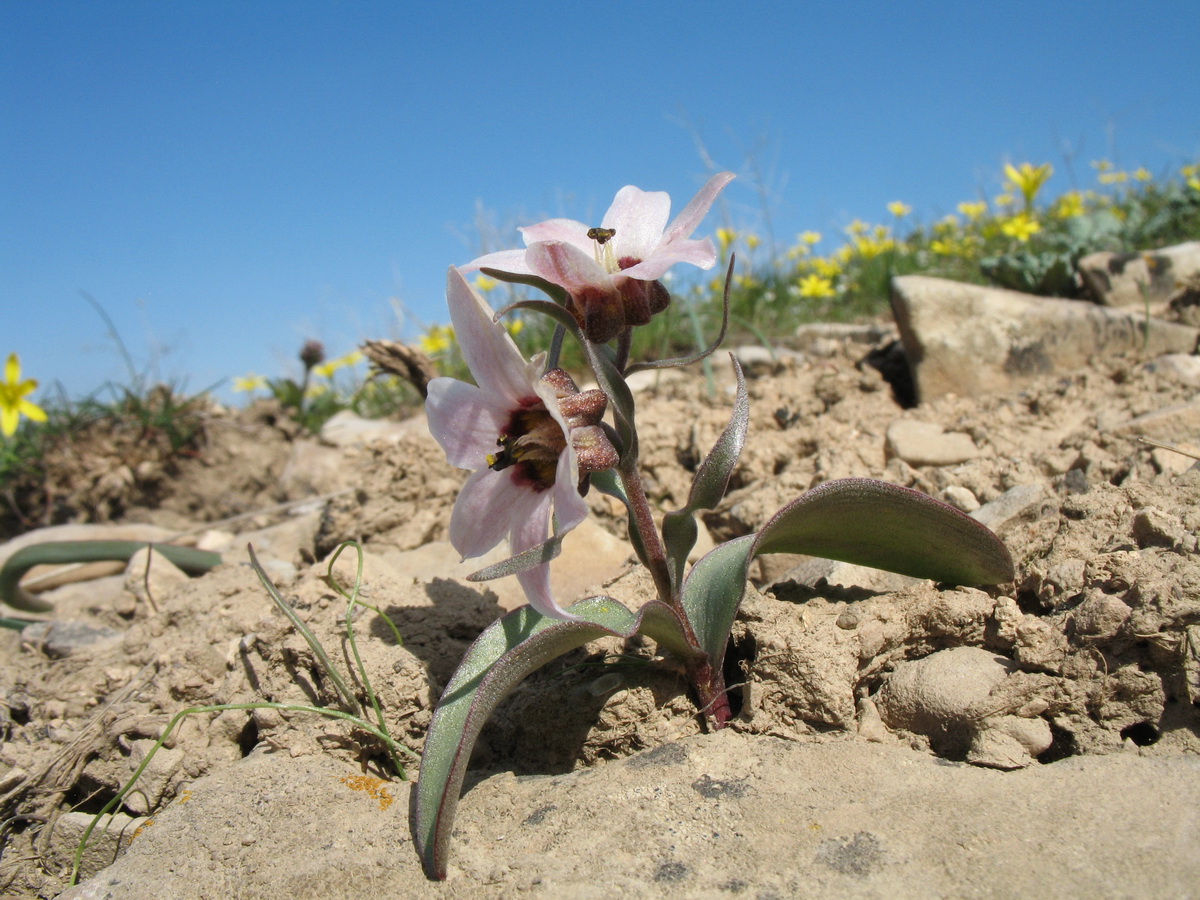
[(968, 340), (720, 815)]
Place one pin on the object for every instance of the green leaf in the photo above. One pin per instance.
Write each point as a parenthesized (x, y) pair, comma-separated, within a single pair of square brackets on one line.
[(713, 592), (189, 559), (501, 657), (885, 526), (679, 528), (856, 520)]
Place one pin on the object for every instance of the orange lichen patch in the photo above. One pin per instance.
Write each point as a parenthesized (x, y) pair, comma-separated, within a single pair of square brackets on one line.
[(140, 829), (375, 788), (184, 797)]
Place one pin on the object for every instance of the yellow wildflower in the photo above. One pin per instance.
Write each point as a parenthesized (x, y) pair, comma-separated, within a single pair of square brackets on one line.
[(752, 240), (1028, 179), (326, 369), (815, 286), (249, 383), (13, 391), (1141, 173), (1102, 165), (973, 210), (1021, 226), (483, 284), (726, 237), (437, 339), (813, 237), (1113, 177), (899, 209), (948, 247), (1003, 199), (857, 227), (1069, 205), (827, 268), (514, 326)]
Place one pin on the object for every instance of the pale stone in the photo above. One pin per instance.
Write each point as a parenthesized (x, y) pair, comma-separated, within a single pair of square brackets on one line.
[(109, 839), (969, 340), (348, 429), (1183, 367), (150, 576), (816, 573), (1025, 501), (961, 498), (925, 444), (1130, 279), (590, 556)]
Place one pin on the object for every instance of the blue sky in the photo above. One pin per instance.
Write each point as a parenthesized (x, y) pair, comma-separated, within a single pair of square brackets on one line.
[(230, 178)]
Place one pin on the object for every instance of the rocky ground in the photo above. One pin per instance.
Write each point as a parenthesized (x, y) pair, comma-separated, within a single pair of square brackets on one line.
[(893, 737)]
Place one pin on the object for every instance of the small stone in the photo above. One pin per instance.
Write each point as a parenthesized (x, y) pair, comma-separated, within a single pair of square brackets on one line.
[(61, 639), (961, 498), (926, 444), (1101, 615)]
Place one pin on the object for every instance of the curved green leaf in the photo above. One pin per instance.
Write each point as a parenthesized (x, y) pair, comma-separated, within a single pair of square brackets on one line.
[(555, 291), (713, 592), (189, 559), (856, 520), (886, 526), (501, 657), (679, 528)]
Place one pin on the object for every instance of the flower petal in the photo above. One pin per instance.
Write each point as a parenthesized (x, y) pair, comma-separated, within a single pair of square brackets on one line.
[(32, 411), (504, 260), (689, 219), (12, 369), (465, 420), (531, 531), (567, 230), (565, 264), (700, 253), (487, 509), (639, 218), (493, 358)]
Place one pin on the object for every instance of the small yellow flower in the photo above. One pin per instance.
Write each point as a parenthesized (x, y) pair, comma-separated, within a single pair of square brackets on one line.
[(752, 240), (1028, 179), (815, 286), (249, 383), (437, 339), (1142, 174), (827, 268), (814, 237), (13, 391), (1113, 177), (1069, 205), (326, 369), (973, 210), (1102, 165), (514, 326), (944, 248), (899, 209), (483, 284), (1021, 226), (1003, 200), (726, 237), (858, 226)]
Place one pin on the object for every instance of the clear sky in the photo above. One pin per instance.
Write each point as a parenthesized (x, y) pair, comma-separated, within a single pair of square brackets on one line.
[(228, 178)]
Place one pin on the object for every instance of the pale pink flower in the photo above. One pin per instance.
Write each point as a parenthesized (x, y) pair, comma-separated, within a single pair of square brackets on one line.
[(612, 271), (523, 434)]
